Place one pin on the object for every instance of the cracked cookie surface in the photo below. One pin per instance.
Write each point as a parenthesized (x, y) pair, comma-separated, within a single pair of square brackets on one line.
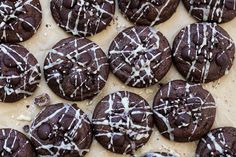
[(83, 18), (19, 19), (61, 130), (20, 73), (203, 52), (140, 56), (219, 11), (14, 143), (76, 69), (218, 142), (148, 12), (183, 112), (122, 122)]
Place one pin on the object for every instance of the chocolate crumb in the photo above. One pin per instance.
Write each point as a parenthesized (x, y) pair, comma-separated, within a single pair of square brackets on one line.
[(26, 128), (74, 105), (48, 25), (42, 100)]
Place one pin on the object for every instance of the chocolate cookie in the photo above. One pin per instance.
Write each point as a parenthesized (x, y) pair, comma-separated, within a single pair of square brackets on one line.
[(158, 154), (19, 20), (140, 56), (15, 144), (76, 69), (83, 18), (220, 142), (183, 112), (148, 12), (20, 73), (61, 130), (203, 52), (122, 122), (211, 10)]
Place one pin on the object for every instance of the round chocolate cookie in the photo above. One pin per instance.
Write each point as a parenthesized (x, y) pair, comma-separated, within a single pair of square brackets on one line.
[(15, 144), (183, 112), (220, 142), (122, 122), (19, 19), (76, 69), (158, 154), (148, 12), (211, 10), (20, 73), (83, 18), (140, 56), (203, 52), (61, 130)]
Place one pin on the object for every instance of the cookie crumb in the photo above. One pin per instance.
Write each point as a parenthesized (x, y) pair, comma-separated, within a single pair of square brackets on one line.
[(42, 100), (26, 128), (24, 118), (90, 102), (48, 25), (149, 91)]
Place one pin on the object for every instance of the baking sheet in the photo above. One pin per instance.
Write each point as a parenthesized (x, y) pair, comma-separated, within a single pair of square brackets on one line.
[(16, 115)]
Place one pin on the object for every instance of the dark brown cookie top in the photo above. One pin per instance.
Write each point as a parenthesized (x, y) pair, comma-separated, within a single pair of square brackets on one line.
[(61, 130), (148, 12), (220, 142), (19, 19), (122, 122), (140, 56), (212, 10), (83, 18), (20, 73), (158, 154), (15, 144), (76, 69), (183, 111), (203, 52)]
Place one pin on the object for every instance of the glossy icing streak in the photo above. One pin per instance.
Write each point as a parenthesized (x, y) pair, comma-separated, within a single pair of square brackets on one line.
[(203, 52), (20, 73), (83, 17), (140, 56), (183, 112), (122, 122)]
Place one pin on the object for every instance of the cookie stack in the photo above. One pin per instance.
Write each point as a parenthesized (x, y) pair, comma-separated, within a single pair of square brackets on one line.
[(140, 56)]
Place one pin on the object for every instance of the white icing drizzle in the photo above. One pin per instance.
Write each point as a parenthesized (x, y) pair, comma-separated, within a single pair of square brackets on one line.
[(190, 105), (131, 130), (10, 134), (217, 143), (96, 16), (82, 69), (10, 12), (29, 76), (211, 10), (159, 155), (69, 143), (149, 55), (146, 5), (204, 32)]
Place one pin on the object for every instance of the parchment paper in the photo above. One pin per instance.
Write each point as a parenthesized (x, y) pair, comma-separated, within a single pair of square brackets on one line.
[(49, 34)]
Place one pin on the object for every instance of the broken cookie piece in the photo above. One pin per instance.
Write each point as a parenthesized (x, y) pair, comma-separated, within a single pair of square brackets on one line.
[(42, 100), (26, 128)]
